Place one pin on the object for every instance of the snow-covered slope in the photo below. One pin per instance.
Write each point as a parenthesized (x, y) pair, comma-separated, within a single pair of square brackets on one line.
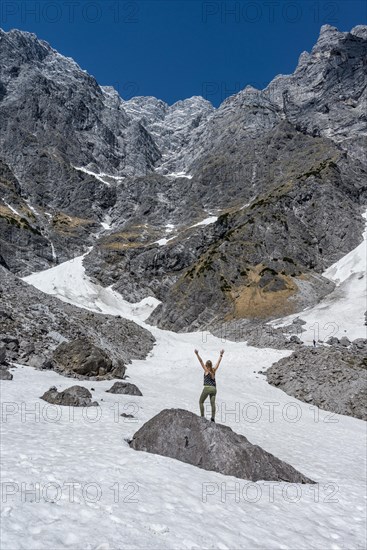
[(341, 313), (69, 282), (129, 499)]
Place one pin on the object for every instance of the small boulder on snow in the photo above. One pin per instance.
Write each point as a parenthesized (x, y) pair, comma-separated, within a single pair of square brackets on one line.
[(5, 375), (124, 388), (295, 339), (75, 396), (183, 435), (332, 341)]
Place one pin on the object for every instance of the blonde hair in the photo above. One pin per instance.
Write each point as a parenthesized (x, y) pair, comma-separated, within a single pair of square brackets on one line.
[(209, 366)]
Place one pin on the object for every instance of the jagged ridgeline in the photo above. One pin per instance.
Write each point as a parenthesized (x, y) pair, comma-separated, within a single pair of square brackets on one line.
[(276, 176)]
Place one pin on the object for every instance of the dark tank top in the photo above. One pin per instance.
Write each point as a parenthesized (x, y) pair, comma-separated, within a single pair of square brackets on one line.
[(208, 380)]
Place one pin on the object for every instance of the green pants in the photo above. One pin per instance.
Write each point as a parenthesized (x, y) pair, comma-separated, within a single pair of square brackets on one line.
[(208, 390)]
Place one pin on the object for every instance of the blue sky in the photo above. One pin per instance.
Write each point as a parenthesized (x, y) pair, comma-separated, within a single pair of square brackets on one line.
[(176, 49)]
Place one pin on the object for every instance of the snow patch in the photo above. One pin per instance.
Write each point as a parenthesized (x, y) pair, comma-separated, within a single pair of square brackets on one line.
[(12, 209), (179, 175), (70, 284), (163, 241), (104, 178), (32, 208), (207, 221), (54, 256), (106, 224)]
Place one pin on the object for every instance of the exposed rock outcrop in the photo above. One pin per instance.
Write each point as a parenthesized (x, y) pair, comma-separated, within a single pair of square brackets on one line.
[(333, 379), (40, 323), (82, 167), (2, 355), (182, 435)]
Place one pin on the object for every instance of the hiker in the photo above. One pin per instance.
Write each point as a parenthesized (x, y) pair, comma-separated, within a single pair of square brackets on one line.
[(314, 343), (210, 388)]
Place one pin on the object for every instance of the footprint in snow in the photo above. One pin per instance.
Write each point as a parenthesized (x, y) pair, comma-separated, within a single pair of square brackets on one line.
[(158, 528)]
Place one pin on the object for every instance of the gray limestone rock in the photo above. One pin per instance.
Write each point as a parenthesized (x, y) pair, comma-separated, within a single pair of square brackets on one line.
[(360, 343), (182, 435), (267, 162), (5, 375), (82, 358), (344, 341), (333, 378), (2, 355), (44, 321), (75, 396), (124, 388), (332, 341)]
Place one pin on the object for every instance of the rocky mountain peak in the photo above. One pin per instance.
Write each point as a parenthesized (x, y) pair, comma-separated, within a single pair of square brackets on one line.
[(139, 180), (360, 31), (25, 44)]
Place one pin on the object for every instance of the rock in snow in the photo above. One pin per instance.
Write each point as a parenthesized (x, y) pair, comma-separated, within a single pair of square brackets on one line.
[(125, 388), (5, 375), (182, 435), (75, 396), (81, 357)]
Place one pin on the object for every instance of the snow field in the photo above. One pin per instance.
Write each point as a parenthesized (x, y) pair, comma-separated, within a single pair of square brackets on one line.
[(135, 500)]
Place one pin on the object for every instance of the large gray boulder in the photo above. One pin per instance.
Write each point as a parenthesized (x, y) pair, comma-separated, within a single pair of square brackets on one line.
[(81, 357), (183, 435), (124, 388), (332, 378), (75, 396)]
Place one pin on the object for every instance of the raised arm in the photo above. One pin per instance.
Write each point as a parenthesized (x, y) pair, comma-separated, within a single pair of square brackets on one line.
[(200, 359), (219, 360)]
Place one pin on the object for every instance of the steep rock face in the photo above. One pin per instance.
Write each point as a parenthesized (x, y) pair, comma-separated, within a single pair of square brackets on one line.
[(172, 126), (136, 177), (55, 118), (326, 95), (182, 435), (32, 238), (257, 147), (62, 108), (255, 256)]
